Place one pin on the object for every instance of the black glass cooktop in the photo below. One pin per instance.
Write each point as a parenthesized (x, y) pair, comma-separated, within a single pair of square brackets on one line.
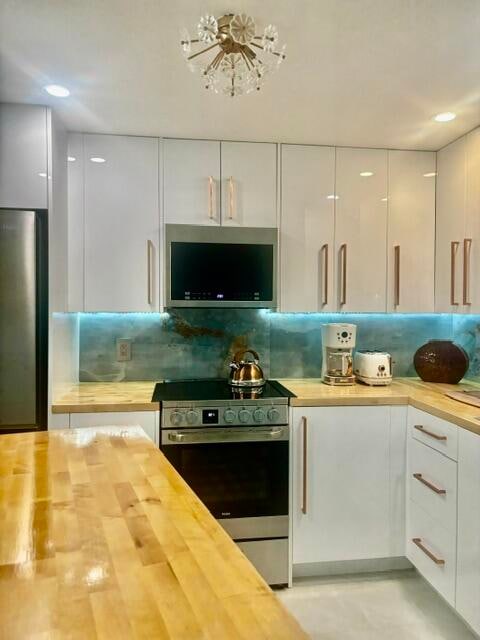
[(215, 389)]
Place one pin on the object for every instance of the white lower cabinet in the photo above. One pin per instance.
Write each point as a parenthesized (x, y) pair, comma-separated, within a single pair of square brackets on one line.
[(148, 420), (432, 500), (348, 483), (468, 553)]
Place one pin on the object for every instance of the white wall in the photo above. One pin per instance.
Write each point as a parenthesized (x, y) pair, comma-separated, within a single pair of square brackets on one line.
[(64, 347)]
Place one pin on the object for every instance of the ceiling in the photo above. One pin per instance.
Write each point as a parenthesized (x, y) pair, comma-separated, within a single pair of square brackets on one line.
[(358, 72)]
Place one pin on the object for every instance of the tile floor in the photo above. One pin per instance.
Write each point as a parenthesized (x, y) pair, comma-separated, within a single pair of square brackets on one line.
[(388, 606)]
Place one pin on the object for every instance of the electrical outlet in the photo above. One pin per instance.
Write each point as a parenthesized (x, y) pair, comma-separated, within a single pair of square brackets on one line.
[(124, 349)]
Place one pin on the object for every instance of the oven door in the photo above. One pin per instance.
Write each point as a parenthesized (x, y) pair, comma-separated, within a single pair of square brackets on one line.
[(237, 472)]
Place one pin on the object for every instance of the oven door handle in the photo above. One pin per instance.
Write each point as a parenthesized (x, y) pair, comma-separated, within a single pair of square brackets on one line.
[(238, 436)]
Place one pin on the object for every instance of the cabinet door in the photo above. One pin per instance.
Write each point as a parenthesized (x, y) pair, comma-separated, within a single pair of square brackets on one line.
[(23, 157), (249, 184), (411, 231), (450, 226), (307, 227), (192, 182), (76, 223), (471, 251), (468, 544), (347, 493), (361, 229), (148, 420), (121, 224)]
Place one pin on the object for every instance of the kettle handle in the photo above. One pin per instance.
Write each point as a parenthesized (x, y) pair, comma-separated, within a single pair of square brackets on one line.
[(239, 354)]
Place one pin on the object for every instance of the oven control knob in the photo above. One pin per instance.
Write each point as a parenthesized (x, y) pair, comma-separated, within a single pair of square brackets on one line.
[(229, 415), (176, 418), (259, 415), (192, 417), (273, 415), (244, 415)]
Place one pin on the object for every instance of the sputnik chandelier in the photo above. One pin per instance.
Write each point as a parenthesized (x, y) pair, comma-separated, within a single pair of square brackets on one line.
[(240, 60)]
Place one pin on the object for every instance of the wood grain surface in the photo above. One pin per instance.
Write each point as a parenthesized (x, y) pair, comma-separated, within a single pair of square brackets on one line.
[(310, 392), (101, 538)]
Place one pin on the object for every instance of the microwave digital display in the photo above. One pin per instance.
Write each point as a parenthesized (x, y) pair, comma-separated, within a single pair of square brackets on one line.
[(221, 271)]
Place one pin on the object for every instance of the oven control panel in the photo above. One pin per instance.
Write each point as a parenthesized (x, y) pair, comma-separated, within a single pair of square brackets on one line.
[(225, 416)]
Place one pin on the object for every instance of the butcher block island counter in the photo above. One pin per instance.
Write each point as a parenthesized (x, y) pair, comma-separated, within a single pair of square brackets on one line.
[(101, 538)]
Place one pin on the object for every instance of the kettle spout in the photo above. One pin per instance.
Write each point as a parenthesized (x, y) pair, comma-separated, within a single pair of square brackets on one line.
[(234, 365)]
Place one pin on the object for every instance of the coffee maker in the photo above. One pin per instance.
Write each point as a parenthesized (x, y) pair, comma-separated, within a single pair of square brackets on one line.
[(338, 342)]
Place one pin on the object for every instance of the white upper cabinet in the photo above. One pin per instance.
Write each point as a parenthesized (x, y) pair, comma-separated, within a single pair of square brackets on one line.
[(24, 168), (76, 223), (470, 249), (213, 183), (307, 228), (450, 226), (192, 182), (249, 184), (121, 223), (361, 229), (411, 231)]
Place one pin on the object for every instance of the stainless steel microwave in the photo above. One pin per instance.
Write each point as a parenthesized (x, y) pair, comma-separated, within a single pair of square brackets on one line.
[(221, 266)]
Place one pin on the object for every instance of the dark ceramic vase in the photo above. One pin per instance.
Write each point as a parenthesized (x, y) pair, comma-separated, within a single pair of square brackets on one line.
[(441, 361)]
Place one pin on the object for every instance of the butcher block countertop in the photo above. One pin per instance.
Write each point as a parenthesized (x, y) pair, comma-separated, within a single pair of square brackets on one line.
[(101, 538), (427, 396), (311, 392), (92, 397)]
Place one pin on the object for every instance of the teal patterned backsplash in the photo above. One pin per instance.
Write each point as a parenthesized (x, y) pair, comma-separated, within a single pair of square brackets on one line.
[(199, 343)]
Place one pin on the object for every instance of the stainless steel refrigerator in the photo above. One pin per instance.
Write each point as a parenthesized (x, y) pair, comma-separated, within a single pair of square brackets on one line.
[(23, 320)]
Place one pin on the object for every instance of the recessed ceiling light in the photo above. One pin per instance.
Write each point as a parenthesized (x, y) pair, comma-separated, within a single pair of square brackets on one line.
[(366, 174), (384, 199), (42, 174), (431, 174), (57, 90), (97, 159), (332, 196), (71, 158), (445, 117)]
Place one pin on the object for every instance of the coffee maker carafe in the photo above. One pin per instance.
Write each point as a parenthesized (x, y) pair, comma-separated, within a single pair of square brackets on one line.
[(338, 342)]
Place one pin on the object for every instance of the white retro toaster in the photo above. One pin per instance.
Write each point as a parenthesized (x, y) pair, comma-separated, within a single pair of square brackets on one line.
[(373, 367)]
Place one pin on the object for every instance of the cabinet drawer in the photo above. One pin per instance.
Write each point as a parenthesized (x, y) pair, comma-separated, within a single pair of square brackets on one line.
[(436, 561), (434, 432), (433, 483)]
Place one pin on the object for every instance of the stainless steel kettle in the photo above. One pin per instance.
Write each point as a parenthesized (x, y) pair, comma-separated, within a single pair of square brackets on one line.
[(246, 373)]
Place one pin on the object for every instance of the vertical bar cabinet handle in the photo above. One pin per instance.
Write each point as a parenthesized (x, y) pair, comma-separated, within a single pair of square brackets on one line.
[(149, 272), (231, 198), (324, 250), (427, 552), (304, 467), (467, 244), (343, 256), (211, 198), (453, 252), (396, 301)]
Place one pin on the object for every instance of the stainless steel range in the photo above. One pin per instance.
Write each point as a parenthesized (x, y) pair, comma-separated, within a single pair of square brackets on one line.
[(232, 447)]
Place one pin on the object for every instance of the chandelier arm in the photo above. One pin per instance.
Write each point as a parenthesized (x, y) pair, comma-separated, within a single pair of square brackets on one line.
[(214, 63), (222, 55), (199, 53), (247, 61), (254, 44)]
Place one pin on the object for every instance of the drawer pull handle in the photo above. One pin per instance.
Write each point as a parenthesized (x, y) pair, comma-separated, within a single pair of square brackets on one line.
[(421, 546), (420, 478), (421, 428)]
